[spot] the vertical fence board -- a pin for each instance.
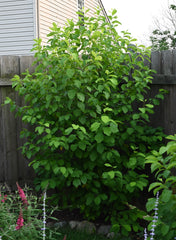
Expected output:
(13, 166)
(167, 62)
(156, 61)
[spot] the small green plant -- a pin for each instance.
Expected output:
(163, 164)
(21, 216)
(88, 139)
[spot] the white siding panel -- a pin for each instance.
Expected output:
(17, 26)
(55, 11)
(92, 6)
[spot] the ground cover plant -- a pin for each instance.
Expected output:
(19, 215)
(163, 163)
(90, 129)
(24, 215)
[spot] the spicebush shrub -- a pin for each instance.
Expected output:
(89, 140)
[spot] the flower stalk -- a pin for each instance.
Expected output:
(155, 217)
(44, 216)
(20, 220)
(22, 195)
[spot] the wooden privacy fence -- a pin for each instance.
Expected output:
(14, 167)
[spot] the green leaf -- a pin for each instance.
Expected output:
(40, 130)
(56, 170)
(71, 94)
(99, 137)
(124, 109)
(52, 183)
(155, 166)
(136, 116)
(75, 127)
(132, 184)
(77, 83)
(150, 204)
(63, 170)
(114, 128)
(83, 179)
(89, 199)
(105, 119)
(68, 130)
(171, 165)
(132, 162)
(113, 81)
(172, 148)
(111, 174)
(108, 165)
(97, 200)
(162, 150)
(74, 147)
(81, 97)
(82, 145)
(93, 156)
(81, 106)
(100, 148)
(70, 72)
(130, 131)
(114, 11)
(118, 174)
(44, 183)
(127, 227)
(107, 109)
(107, 131)
(76, 182)
(94, 127)
(165, 229)
(166, 195)
(29, 154)
(154, 185)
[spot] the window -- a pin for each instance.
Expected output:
(81, 9)
(80, 5)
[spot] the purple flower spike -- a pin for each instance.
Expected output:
(155, 217)
(145, 234)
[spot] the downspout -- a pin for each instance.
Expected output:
(104, 11)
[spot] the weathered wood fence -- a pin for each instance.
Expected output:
(14, 167)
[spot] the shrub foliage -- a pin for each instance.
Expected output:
(90, 118)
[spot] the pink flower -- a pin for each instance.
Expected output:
(65, 237)
(5, 198)
(20, 220)
(22, 195)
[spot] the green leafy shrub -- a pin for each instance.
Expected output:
(163, 163)
(89, 140)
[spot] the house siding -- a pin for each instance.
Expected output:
(59, 11)
(55, 11)
(17, 27)
(21, 21)
(92, 6)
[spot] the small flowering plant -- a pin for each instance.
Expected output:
(19, 217)
(154, 220)
(163, 166)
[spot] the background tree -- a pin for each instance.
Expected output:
(163, 37)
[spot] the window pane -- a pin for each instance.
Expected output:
(80, 4)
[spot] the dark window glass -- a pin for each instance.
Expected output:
(81, 9)
(80, 4)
